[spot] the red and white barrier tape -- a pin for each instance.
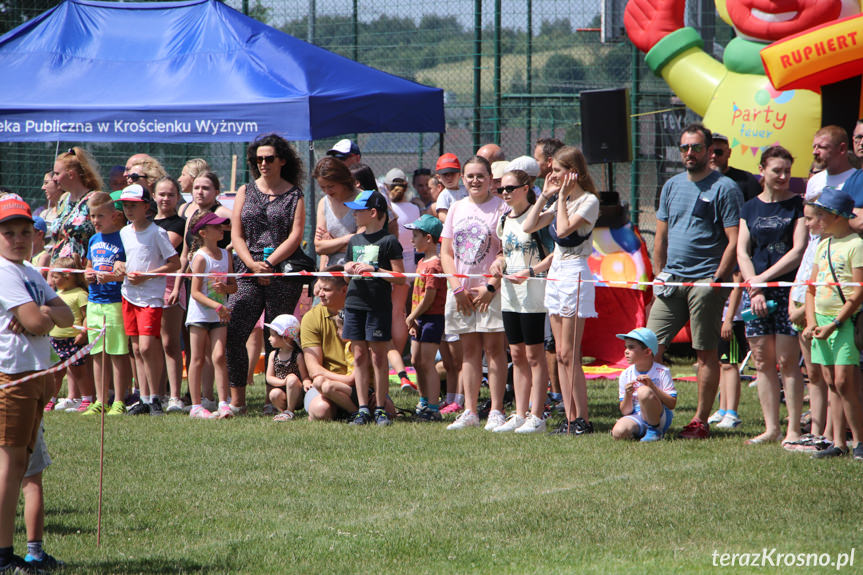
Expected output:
(84, 351)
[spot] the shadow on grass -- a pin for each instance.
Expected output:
(65, 529)
(146, 566)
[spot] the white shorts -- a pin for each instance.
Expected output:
(490, 321)
(562, 295)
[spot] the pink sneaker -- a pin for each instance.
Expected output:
(453, 407)
(201, 412)
(50, 405)
(225, 412)
(85, 403)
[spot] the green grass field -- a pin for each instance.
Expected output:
(253, 496)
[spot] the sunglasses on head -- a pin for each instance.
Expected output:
(265, 159)
(697, 148)
(135, 177)
(509, 189)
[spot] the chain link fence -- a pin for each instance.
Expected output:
(511, 71)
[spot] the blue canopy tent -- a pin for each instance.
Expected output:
(194, 71)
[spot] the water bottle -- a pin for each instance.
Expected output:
(749, 315)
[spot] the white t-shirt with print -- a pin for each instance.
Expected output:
(20, 352)
(146, 250)
(658, 373)
(520, 251)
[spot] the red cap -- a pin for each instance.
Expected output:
(447, 163)
(12, 207)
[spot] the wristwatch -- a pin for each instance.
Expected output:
(836, 322)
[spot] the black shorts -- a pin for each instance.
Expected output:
(735, 349)
(526, 328)
(429, 329)
(362, 325)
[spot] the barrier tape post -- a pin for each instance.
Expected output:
(103, 387)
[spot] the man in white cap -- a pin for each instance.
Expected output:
(347, 151)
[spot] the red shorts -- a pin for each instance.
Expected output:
(142, 320)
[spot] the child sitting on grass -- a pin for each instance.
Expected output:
(829, 313)
(207, 315)
(29, 309)
(425, 322)
(646, 391)
(287, 376)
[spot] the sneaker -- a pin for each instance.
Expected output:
(360, 417)
(117, 408)
(85, 405)
(581, 426)
(18, 565)
(652, 434)
(156, 407)
(453, 407)
(235, 410)
(270, 409)
(715, 418)
(729, 421)
(512, 423)
(807, 443)
(139, 408)
(175, 405)
(50, 405)
(47, 563)
(466, 419)
(532, 424)
(64, 404)
(210, 404)
(562, 429)
(426, 414)
(95, 408)
(831, 451)
(694, 430)
(228, 411)
(495, 419)
(408, 385)
(381, 418)
(858, 451)
(73, 407)
(201, 412)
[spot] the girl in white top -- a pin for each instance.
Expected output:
(524, 256)
(569, 295)
(207, 315)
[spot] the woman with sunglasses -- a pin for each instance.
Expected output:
(76, 173)
(569, 299)
(524, 256)
(269, 214)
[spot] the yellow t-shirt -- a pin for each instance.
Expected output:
(846, 254)
(318, 329)
(76, 299)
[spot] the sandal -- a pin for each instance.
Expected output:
(759, 439)
(286, 415)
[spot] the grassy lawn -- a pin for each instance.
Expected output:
(253, 496)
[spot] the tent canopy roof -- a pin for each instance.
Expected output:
(190, 71)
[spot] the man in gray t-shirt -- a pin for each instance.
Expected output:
(696, 241)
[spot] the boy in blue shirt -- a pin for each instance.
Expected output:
(646, 391)
(104, 300)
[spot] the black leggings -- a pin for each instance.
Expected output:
(281, 296)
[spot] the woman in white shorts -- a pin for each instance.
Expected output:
(469, 245)
(569, 294)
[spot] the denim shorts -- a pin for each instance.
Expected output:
(362, 325)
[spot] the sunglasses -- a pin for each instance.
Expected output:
(509, 189)
(266, 159)
(697, 148)
(135, 177)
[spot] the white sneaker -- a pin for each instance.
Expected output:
(715, 418)
(728, 422)
(466, 419)
(76, 403)
(532, 424)
(495, 419)
(513, 422)
(65, 404)
(209, 404)
(201, 412)
(175, 405)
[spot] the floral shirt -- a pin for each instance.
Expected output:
(72, 229)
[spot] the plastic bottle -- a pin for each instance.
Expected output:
(749, 315)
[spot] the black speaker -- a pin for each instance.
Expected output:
(605, 135)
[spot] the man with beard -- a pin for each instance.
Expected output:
(830, 156)
(696, 241)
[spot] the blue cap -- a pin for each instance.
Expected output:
(645, 336)
(40, 224)
(835, 201)
(368, 199)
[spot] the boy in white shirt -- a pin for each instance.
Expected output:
(149, 252)
(646, 391)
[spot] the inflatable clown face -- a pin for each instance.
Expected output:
(767, 21)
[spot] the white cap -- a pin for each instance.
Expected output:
(525, 164)
(393, 175)
(286, 326)
(498, 169)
